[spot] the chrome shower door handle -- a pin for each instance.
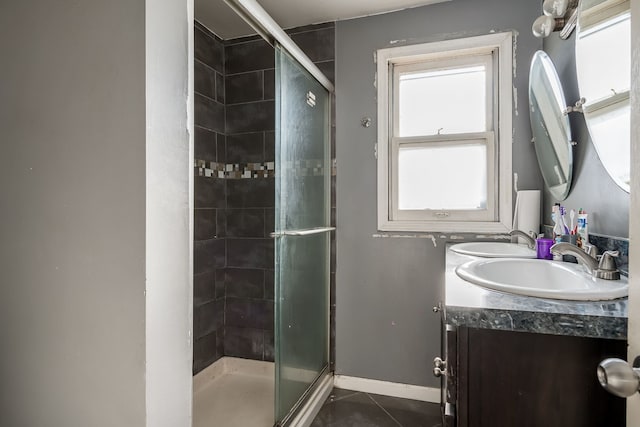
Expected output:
(618, 377)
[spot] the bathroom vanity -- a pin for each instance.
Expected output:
(514, 360)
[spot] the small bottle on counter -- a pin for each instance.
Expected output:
(583, 226)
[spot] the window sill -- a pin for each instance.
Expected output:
(445, 226)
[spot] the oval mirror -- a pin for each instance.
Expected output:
(550, 126)
(603, 66)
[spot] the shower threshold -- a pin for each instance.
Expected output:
(234, 392)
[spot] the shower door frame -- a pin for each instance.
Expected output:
(289, 228)
(263, 24)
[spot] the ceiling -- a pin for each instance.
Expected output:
(219, 18)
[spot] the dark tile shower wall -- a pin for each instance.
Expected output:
(250, 125)
(210, 201)
(235, 191)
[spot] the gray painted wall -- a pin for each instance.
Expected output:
(592, 188)
(387, 286)
(73, 216)
(78, 338)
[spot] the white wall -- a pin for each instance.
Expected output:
(169, 211)
(76, 177)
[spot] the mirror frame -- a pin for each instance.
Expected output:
(547, 147)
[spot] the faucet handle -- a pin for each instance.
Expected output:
(591, 250)
(607, 262)
(607, 267)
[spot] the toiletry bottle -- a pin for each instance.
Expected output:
(583, 226)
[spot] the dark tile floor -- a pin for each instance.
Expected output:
(345, 408)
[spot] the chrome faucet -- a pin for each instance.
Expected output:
(606, 269)
(529, 240)
(564, 248)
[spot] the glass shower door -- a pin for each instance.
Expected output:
(302, 233)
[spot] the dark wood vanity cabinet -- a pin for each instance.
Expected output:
(501, 378)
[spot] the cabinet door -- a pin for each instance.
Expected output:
(524, 379)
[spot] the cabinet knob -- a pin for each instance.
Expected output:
(440, 367)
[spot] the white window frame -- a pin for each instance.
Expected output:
(498, 139)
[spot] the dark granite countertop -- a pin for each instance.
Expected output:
(473, 306)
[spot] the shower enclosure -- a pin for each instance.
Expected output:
(296, 170)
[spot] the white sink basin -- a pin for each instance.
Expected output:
(541, 278)
(494, 250)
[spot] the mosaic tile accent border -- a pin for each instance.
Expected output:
(234, 170)
(258, 170)
(305, 168)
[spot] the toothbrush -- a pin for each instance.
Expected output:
(572, 216)
(563, 222)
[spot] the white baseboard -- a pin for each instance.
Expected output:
(313, 405)
(386, 388)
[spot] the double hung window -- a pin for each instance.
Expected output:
(444, 148)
